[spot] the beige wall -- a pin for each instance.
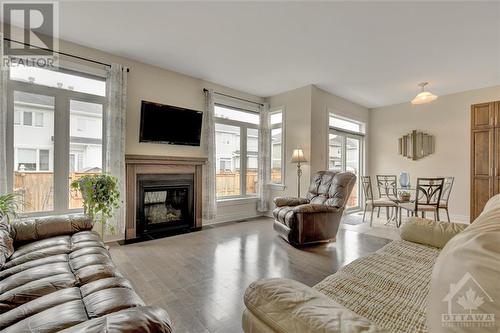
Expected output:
(306, 126)
(448, 119)
(322, 104)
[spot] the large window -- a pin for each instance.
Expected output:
(277, 146)
(55, 135)
(236, 140)
(345, 151)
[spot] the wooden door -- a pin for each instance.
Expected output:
(482, 169)
(483, 115)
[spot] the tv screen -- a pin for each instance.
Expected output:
(170, 124)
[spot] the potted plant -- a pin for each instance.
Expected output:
(8, 206)
(100, 197)
(404, 196)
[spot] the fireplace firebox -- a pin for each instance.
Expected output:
(164, 204)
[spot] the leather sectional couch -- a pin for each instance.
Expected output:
(57, 276)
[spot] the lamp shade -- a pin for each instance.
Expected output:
(298, 156)
(424, 96)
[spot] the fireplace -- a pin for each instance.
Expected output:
(164, 204)
(163, 196)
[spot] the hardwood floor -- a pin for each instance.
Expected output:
(200, 278)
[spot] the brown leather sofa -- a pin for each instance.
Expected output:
(57, 275)
(317, 217)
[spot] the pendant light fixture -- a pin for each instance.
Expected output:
(424, 96)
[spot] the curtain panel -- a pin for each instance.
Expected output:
(264, 159)
(116, 109)
(4, 73)
(208, 144)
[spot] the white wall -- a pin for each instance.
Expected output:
(448, 119)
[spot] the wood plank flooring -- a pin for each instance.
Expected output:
(200, 278)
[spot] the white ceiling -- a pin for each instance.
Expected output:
(372, 53)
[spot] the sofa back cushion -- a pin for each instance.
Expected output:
(465, 278)
(331, 188)
(6, 243)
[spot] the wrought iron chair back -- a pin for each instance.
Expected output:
(387, 185)
(366, 182)
(429, 191)
(448, 185)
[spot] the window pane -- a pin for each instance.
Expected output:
(252, 160)
(44, 159)
(335, 152)
(227, 152)
(39, 119)
(85, 150)
(34, 183)
(276, 118)
(353, 165)
(345, 124)
(276, 154)
(60, 80)
(227, 113)
(28, 119)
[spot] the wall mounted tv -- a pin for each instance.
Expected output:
(170, 124)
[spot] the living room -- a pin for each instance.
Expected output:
(268, 167)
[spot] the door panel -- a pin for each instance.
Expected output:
(482, 152)
(482, 115)
(482, 192)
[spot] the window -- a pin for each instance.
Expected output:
(236, 145)
(277, 147)
(47, 102)
(345, 152)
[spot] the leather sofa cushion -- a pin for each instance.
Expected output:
(285, 215)
(6, 242)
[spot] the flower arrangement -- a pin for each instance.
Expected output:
(404, 196)
(100, 197)
(8, 206)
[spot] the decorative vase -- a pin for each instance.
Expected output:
(404, 179)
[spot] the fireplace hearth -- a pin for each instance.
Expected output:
(164, 204)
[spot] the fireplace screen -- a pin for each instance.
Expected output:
(165, 206)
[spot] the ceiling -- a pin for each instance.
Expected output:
(372, 53)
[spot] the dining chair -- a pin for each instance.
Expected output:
(445, 197)
(373, 203)
(387, 186)
(427, 198)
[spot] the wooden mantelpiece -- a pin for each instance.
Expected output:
(149, 164)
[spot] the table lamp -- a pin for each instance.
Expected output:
(298, 157)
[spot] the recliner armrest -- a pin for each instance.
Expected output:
(289, 201)
(288, 306)
(44, 227)
(315, 208)
(428, 232)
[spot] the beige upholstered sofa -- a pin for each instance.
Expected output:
(440, 277)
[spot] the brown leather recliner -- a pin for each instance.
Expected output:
(56, 275)
(317, 217)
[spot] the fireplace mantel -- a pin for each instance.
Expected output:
(150, 165)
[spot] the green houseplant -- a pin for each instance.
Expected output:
(100, 197)
(8, 206)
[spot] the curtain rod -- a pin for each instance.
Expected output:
(62, 53)
(234, 97)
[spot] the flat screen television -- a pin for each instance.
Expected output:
(170, 124)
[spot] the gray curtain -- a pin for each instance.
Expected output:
(116, 110)
(209, 195)
(264, 159)
(3, 128)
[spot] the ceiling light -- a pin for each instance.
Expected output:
(424, 96)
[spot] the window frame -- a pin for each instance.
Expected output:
(243, 126)
(61, 147)
(282, 125)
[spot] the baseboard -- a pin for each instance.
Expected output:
(230, 218)
(457, 218)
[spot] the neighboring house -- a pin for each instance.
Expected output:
(228, 150)
(34, 134)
